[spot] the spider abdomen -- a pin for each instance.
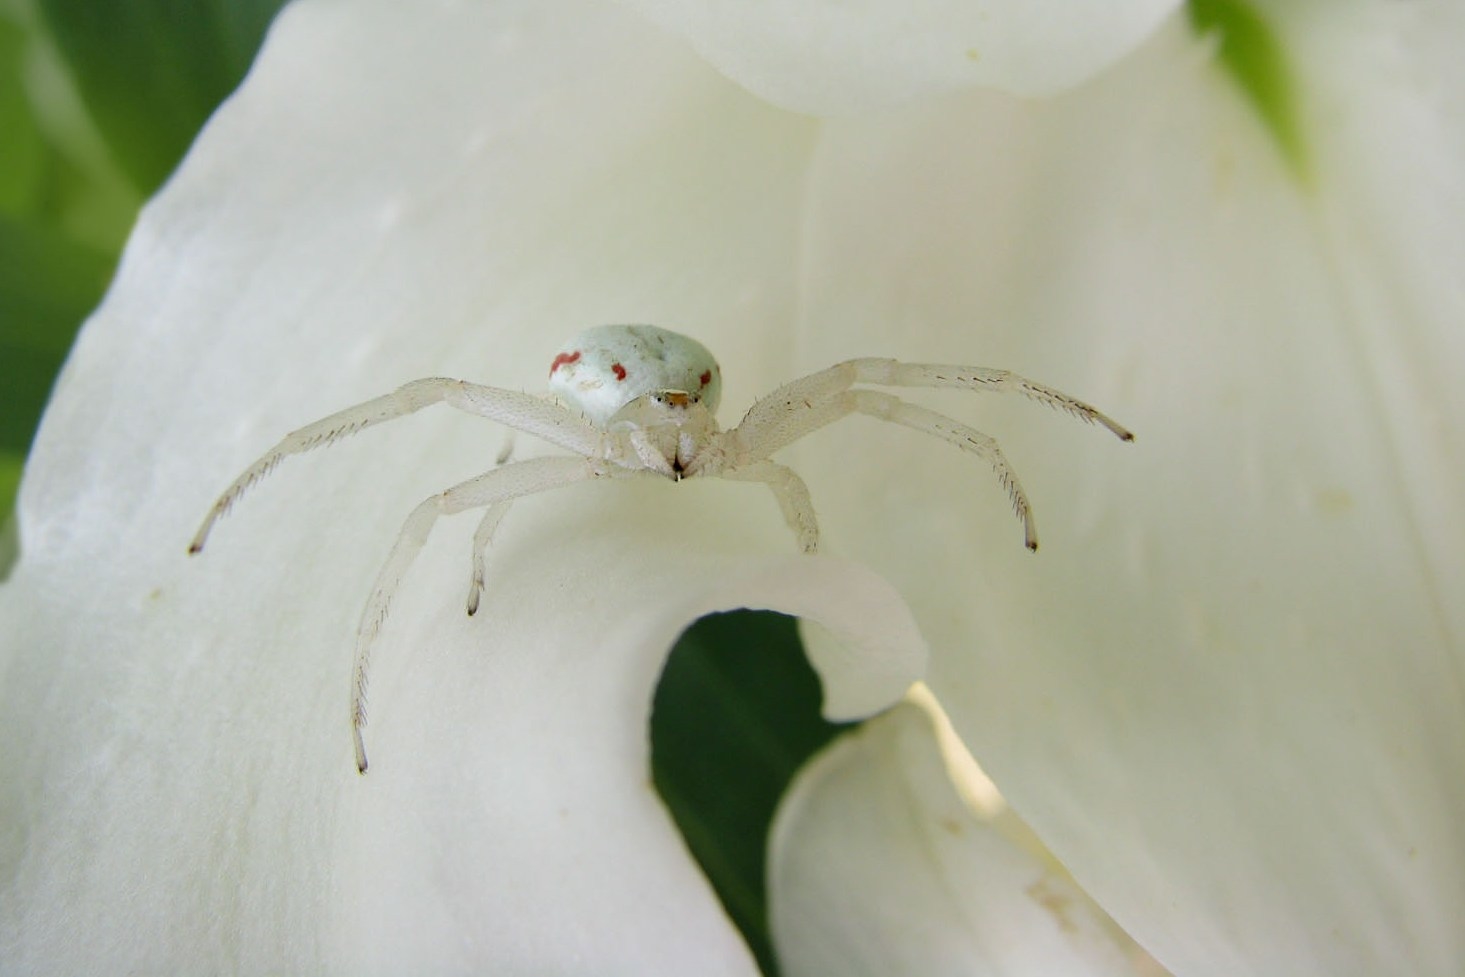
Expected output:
(605, 368)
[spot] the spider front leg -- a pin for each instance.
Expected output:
(520, 411)
(493, 489)
(887, 407)
(893, 373)
(481, 538)
(484, 534)
(805, 405)
(792, 495)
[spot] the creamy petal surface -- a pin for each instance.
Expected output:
(1227, 692)
(397, 193)
(876, 867)
(839, 57)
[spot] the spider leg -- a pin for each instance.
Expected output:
(550, 421)
(807, 404)
(794, 410)
(481, 538)
(803, 406)
(887, 407)
(493, 489)
(484, 534)
(893, 373)
(799, 410)
(647, 453)
(792, 495)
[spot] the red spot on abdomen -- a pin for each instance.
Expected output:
(706, 377)
(562, 359)
(618, 370)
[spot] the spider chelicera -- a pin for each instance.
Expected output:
(640, 400)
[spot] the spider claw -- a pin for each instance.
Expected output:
(1029, 533)
(202, 536)
(360, 750)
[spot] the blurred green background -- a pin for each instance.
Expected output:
(99, 100)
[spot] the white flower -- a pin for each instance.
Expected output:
(1227, 695)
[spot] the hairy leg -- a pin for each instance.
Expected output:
(792, 495)
(492, 489)
(890, 408)
(803, 406)
(520, 411)
(796, 409)
(481, 538)
(807, 416)
(893, 373)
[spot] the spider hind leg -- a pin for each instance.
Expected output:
(493, 489)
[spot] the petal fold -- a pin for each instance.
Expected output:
(876, 867)
(1227, 692)
(837, 58)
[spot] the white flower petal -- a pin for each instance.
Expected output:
(396, 193)
(876, 867)
(1227, 692)
(837, 57)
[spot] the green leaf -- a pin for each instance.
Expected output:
(53, 169)
(10, 466)
(11, 463)
(735, 716)
(151, 71)
(23, 155)
(48, 283)
(1254, 57)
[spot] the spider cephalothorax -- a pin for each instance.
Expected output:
(642, 401)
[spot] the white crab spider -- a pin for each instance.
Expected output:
(641, 401)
